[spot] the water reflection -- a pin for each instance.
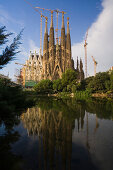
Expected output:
(58, 134)
(53, 122)
(55, 135)
(8, 136)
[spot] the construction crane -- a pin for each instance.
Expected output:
(25, 65)
(21, 64)
(95, 65)
(56, 30)
(85, 46)
(57, 12)
(41, 16)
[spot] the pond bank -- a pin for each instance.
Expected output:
(96, 95)
(78, 94)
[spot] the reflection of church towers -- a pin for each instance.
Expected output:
(55, 132)
(56, 57)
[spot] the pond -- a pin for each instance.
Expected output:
(62, 134)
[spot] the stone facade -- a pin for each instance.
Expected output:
(32, 69)
(56, 57)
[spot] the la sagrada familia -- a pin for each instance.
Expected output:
(56, 57)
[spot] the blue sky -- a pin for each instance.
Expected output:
(17, 14)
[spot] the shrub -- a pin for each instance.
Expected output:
(57, 85)
(98, 82)
(73, 89)
(44, 86)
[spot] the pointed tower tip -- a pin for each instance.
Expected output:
(51, 19)
(63, 19)
(68, 31)
(46, 30)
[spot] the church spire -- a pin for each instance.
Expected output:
(68, 31)
(63, 19)
(46, 30)
(45, 45)
(63, 32)
(51, 35)
(68, 40)
(51, 19)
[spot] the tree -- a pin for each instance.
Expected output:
(57, 85)
(81, 70)
(69, 77)
(10, 51)
(77, 65)
(99, 82)
(111, 80)
(44, 86)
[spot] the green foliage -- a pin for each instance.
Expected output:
(86, 82)
(44, 86)
(73, 89)
(102, 82)
(82, 94)
(111, 80)
(10, 51)
(108, 84)
(11, 97)
(69, 77)
(69, 88)
(57, 85)
(99, 82)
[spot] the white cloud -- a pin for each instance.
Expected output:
(23, 52)
(100, 40)
(33, 46)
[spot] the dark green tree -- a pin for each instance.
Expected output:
(57, 85)
(111, 80)
(69, 78)
(81, 71)
(10, 51)
(44, 86)
(99, 82)
(77, 65)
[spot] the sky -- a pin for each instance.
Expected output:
(97, 15)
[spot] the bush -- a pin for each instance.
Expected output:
(44, 86)
(99, 82)
(57, 85)
(73, 89)
(11, 97)
(82, 94)
(69, 77)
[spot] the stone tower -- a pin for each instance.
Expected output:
(68, 47)
(45, 58)
(63, 45)
(56, 57)
(51, 47)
